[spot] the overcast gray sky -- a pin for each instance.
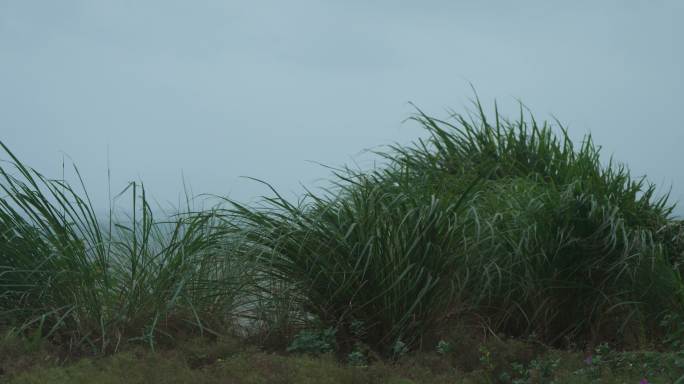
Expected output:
(214, 90)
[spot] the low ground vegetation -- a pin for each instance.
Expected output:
(230, 360)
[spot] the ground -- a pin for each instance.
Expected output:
(231, 360)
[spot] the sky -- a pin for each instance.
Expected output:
(205, 92)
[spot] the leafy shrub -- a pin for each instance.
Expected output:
(314, 342)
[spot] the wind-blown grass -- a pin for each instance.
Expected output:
(65, 275)
(560, 264)
(506, 222)
(568, 244)
(474, 145)
(369, 255)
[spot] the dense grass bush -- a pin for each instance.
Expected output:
(559, 263)
(568, 244)
(370, 255)
(470, 146)
(66, 275)
(506, 222)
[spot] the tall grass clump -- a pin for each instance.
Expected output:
(506, 223)
(67, 275)
(569, 244)
(503, 221)
(559, 263)
(467, 146)
(365, 254)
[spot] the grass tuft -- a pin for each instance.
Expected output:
(68, 277)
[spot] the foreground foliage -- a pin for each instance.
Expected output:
(498, 225)
(229, 360)
(505, 222)
(66, 276)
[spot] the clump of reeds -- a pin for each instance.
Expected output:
(506, 222)
(66, 275)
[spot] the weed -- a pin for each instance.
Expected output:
(444, 347)
(314, 342)
(356, 358)
(399, 349)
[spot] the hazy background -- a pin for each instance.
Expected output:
(214, 90)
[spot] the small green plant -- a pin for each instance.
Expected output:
(487, 363)
(545, 368)
(520, 372)
(538, 371)
(399, 349)
(314, 342)
(357, 329)
(486, 358)
(444, 347)
(356, 358)
(603, 358)
(505, 377)
(673, 325)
